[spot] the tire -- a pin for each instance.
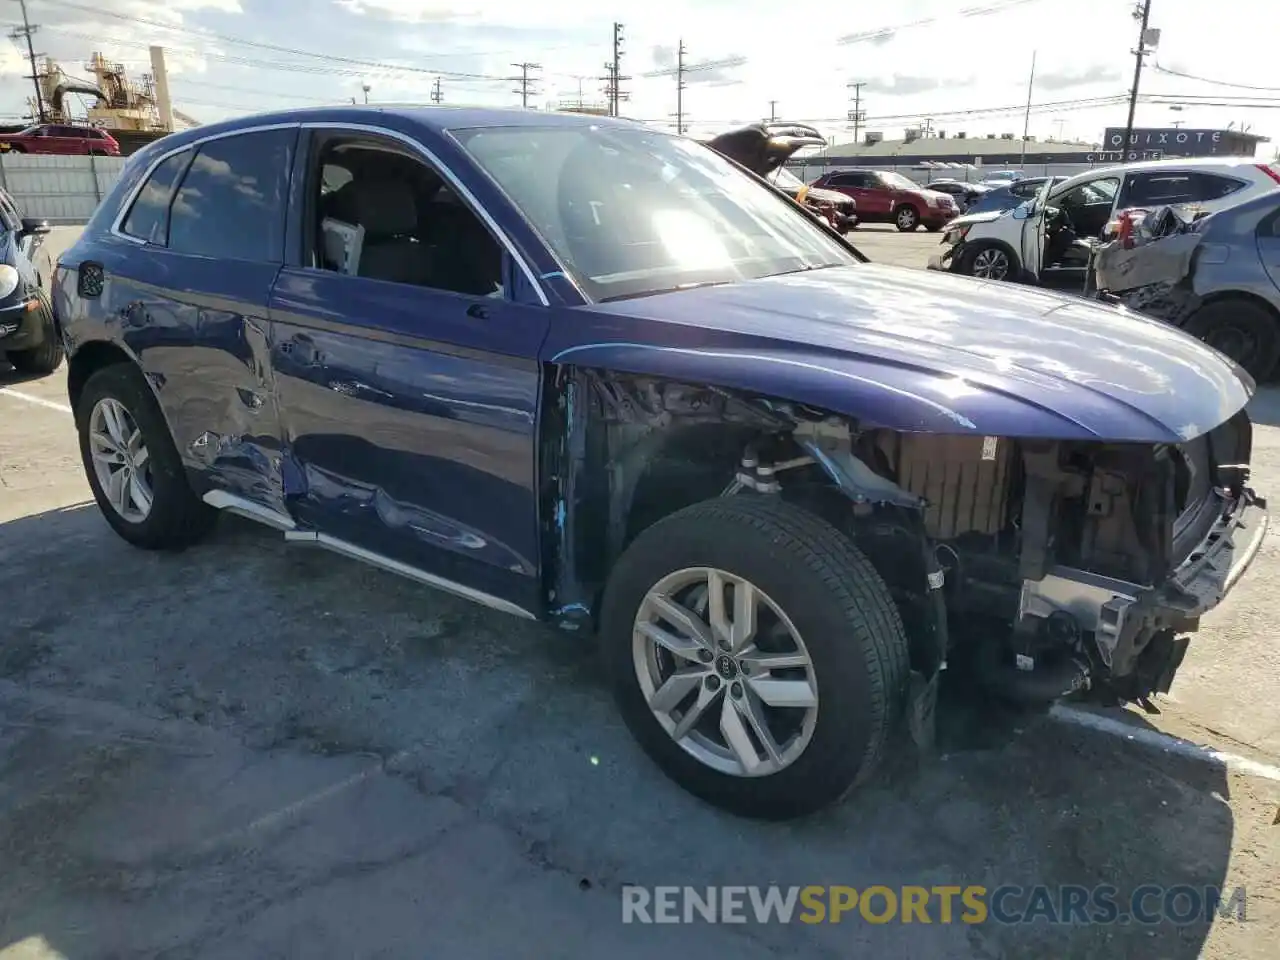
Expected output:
(1245, 332)
(177, 518)
(42, 360)
(974, 258)
(851, 630)
(905, 218)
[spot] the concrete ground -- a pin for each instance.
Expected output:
(246, 751)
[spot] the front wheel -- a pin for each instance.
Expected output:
(1245, 332)
(42, 360)
(755, 654)
(132, 465)
(988, 261)
(906, 219)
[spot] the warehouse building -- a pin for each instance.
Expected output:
(963, 156)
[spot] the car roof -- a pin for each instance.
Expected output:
(1172, 164)
(436, 118)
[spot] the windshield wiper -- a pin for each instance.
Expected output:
(653, 293)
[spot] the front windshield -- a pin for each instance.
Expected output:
(784, 179)
(897, 181)
(632, 212)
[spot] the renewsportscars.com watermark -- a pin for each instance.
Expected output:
(1072, 905)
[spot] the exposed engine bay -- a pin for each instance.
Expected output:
(1063, 566)
(1048, 568)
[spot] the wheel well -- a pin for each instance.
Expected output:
(690, 464)
(1243, 296)
(87, 361)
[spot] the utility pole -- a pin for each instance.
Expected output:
(1026, 117)
(525, 81)
(25, 31)
(773, 111)
(1143, 12)
(680, 52)
(436, 95)
(856, 115)
(613, 75)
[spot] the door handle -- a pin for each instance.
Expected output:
(478, 311)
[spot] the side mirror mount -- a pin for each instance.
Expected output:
(35, 228)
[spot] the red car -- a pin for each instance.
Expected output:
(886, 197)
(60, 139)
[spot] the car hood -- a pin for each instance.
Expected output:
(914, 349)
(968, 219)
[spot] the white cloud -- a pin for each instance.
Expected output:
(907, 66)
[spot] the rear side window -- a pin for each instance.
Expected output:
(1161, 188)
(232, 200)
(149, 217)
(846, 180)
(1210, 186)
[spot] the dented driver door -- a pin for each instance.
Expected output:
(409, 409)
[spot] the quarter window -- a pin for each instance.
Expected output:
(232, 200)
(149, 217)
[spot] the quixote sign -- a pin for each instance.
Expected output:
(1165, 142)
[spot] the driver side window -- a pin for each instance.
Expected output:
(380, 212)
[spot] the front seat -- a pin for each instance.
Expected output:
(388, 212)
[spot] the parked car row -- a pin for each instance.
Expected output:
(584, 371)
(1051, 239)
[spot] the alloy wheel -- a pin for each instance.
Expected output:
(906, 218)
(991, 264)
(121, 460)
(725, 672)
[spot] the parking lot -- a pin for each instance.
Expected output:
(248, 750)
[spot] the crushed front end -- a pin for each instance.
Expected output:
(1074, 566)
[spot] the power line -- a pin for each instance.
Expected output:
(1220, 83)
(275, 48)
(234, 89)
(886, 33)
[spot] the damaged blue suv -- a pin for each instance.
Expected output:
(583, 371)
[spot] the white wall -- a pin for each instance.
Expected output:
(58, 189)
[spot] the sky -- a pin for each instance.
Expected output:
(964, 63)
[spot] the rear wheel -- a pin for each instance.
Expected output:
(905, 218)
(755, 654)
(1244, 331)
(133, 466)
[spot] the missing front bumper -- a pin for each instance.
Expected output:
(1124, 618)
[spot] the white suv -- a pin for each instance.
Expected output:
(1011, 244)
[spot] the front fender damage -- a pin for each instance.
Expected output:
(620, 451)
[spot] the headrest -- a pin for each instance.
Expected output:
(383, 207)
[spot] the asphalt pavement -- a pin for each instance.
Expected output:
(251, 750)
